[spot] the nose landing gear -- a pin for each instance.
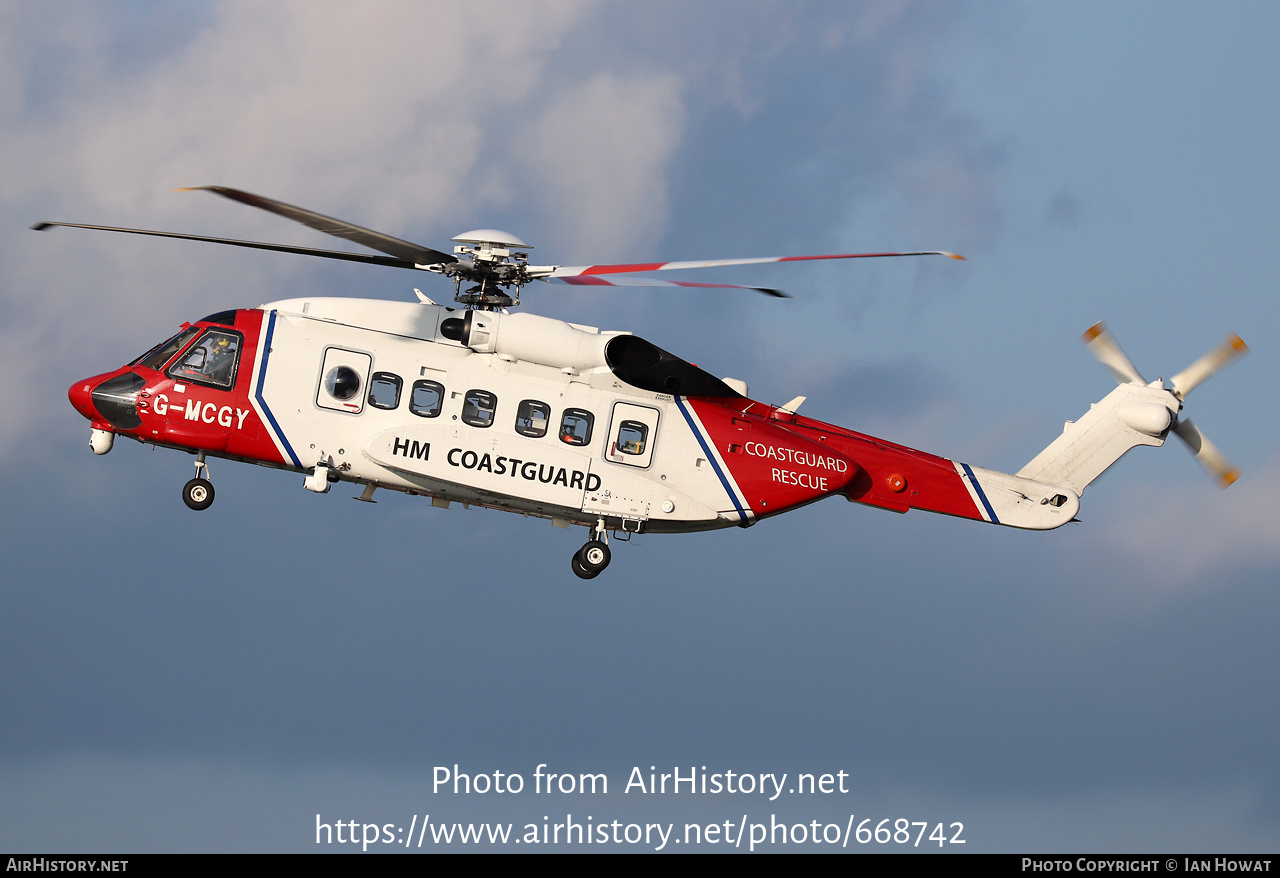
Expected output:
(590, 561)
(198, 493)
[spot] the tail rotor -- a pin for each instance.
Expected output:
(1108, 352)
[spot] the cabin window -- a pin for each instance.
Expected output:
(384, 390)
(575, 427)
(478, 408)
(632, 431)
(532, 418)
(633, 436)
(210, 361)
(426, 399)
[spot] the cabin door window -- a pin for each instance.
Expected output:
(632, 432)
(344, 376)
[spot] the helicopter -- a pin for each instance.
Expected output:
(484, 406)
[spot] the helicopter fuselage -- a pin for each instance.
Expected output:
(514, 412)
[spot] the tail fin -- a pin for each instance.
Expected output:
(1129, 416)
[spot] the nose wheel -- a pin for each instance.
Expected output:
(590, 561)
(198, 493)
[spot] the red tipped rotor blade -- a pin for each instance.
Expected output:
(1209, 365)
(1213, 460)
(1107, 352)
(594, 281)
(580, 270)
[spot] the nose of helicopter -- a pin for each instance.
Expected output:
(81, 396)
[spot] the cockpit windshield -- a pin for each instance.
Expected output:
(163, 352)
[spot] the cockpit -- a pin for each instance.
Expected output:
(211, 360)
(204, 355)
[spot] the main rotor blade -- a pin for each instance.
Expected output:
(580, 270)
(1107, 352)
(1213, 461)
(593, 281)
(366, 258)
(406, 250)
(1209, 365)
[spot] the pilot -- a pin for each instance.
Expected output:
(222, 360)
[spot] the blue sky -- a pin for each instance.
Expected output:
(1107, 686)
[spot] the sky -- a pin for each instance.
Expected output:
(223, 681)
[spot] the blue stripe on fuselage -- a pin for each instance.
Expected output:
(981, 495)
(711, 457)
(262, 377)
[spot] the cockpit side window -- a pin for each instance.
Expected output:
(210, 361)
(163, 352)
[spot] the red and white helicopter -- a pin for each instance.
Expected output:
(528, 414)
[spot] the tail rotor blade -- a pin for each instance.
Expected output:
(1213, 461)
(1209, 365)
(1107, 352)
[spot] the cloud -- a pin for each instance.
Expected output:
(328, 99)
(599, 156)
(1177, 537)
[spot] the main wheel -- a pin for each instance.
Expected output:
(594, 555)
(198, 494)
(582, 572)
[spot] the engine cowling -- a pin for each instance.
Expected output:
(531, 338)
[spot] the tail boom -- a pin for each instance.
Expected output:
(773, 460)
(900, 478)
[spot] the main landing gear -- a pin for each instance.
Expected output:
(590, 561)
(198, 493)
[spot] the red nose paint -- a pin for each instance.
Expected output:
(81, 398)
